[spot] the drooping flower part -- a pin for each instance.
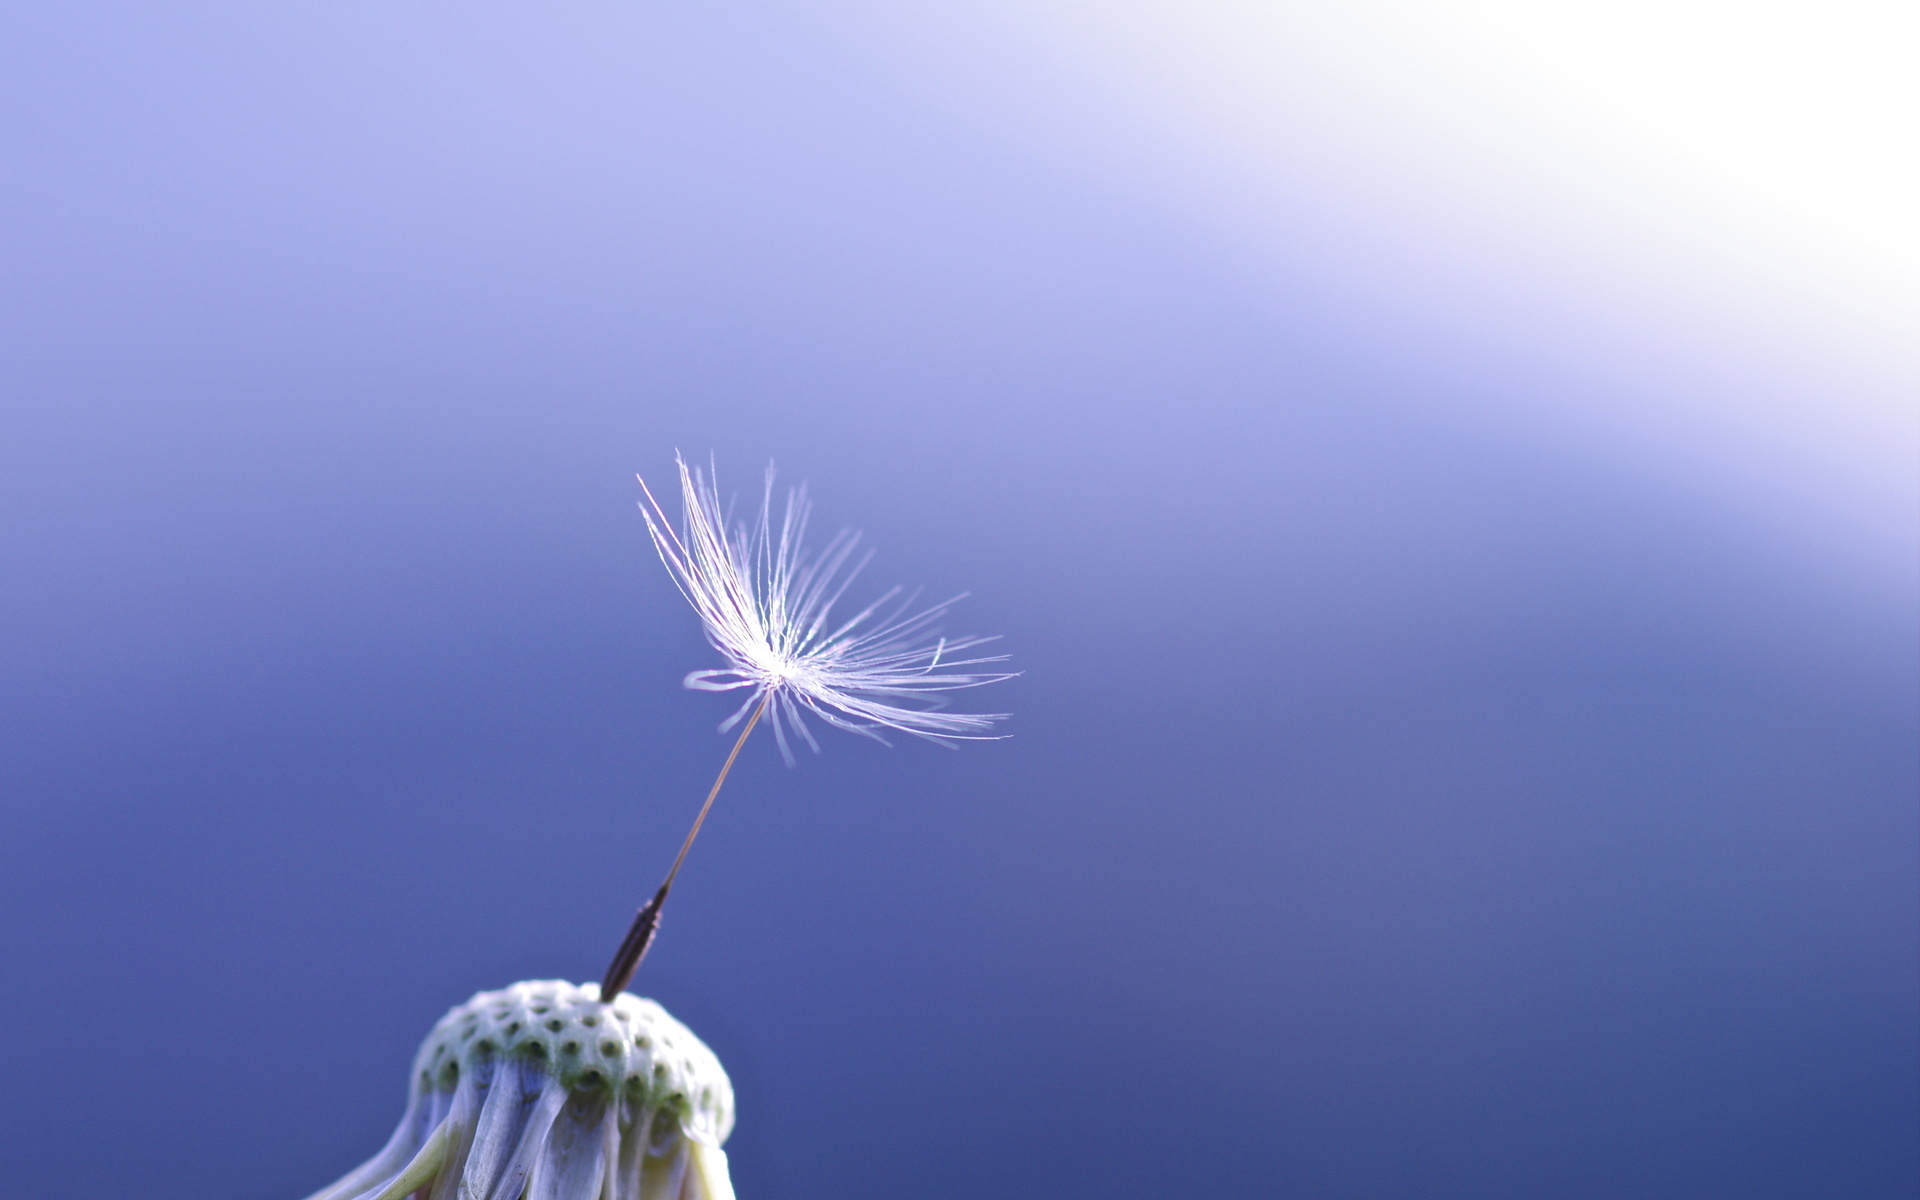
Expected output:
(541, 1092)
(766, 606)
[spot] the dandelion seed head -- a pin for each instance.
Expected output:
(767, 605)
(542, 1090)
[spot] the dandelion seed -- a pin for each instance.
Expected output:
(767, 606)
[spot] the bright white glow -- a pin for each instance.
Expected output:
(1806, 108)
(1726, 188)
(1732, 126)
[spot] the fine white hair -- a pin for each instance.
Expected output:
(765, 604)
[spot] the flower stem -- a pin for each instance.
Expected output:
(646, 922)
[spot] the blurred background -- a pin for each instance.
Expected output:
(1447, 472)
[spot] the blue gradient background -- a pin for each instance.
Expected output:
(1468, 740)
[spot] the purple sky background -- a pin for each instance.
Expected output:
(1467, 743)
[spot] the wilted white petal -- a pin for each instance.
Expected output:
(497, 1135)
(463, 1115)
(532, 1143)
(709, 1172)
(421, 1170)
(574, 1159)
(662, 1176)
(633, 1151)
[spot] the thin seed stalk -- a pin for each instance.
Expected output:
(646, 922)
